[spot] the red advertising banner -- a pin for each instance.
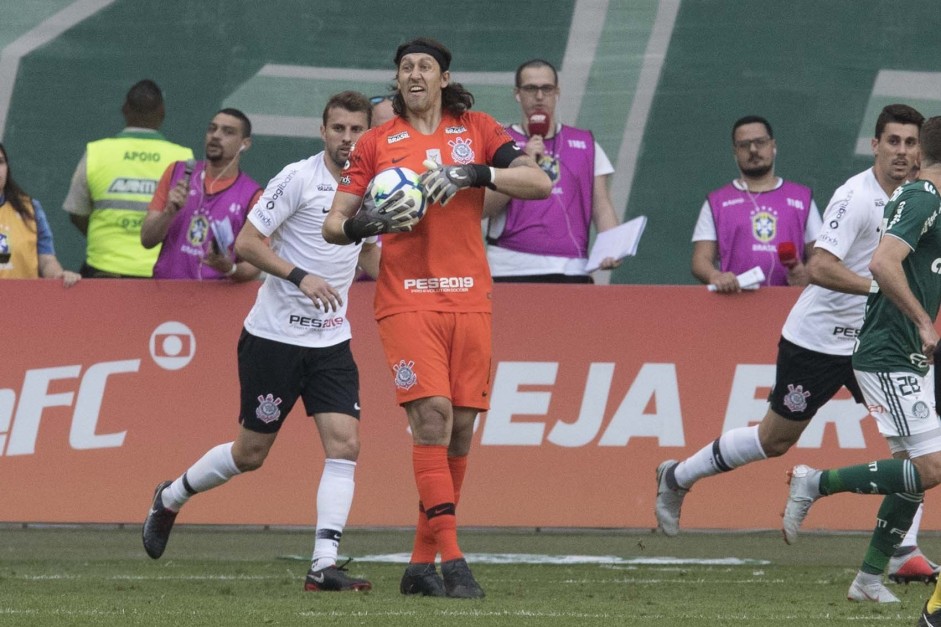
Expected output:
(113, 385)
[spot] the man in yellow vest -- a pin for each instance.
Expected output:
(115, 181)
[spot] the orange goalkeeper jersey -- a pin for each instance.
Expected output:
(441, 265)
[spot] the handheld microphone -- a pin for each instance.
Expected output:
(787, 253)
(188, 167)
(188, 170)
(538, 124)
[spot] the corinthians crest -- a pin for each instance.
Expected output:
(405, 377)
(796, 398)
(267, 410)
(461, 151)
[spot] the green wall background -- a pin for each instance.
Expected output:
(810, 67)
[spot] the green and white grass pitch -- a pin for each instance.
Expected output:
(222, 576)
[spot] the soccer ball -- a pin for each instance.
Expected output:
(392, 180)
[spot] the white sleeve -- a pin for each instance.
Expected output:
(602, 163)
(841, 221)
(812, 228)
(281, 198)
(705, 229)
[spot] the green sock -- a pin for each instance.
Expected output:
(892, 523)
(886, 476)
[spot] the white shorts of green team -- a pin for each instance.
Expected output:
(903, 405)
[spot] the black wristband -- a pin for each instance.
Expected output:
(296, 275)
(482, 176)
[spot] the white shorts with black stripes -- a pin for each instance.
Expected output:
(903, 405)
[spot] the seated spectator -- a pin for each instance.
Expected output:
(26, 249)
(200, 206)
(546, 241)
(745, 223)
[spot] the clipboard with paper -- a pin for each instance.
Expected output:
(222, 234)
(617, 243)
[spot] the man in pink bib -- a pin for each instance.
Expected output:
(546, 240)
(757, 220)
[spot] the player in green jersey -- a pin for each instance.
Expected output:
(892, 365)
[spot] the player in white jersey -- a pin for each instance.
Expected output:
(296, 344)
(814, 352)
(823, 319)
(294, 201)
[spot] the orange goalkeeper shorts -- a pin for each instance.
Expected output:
(439, 353)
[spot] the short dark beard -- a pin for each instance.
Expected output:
(333, 160)
(757, 171)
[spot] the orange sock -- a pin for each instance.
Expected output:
(425, 549)
(458, 467)
(436, 491)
